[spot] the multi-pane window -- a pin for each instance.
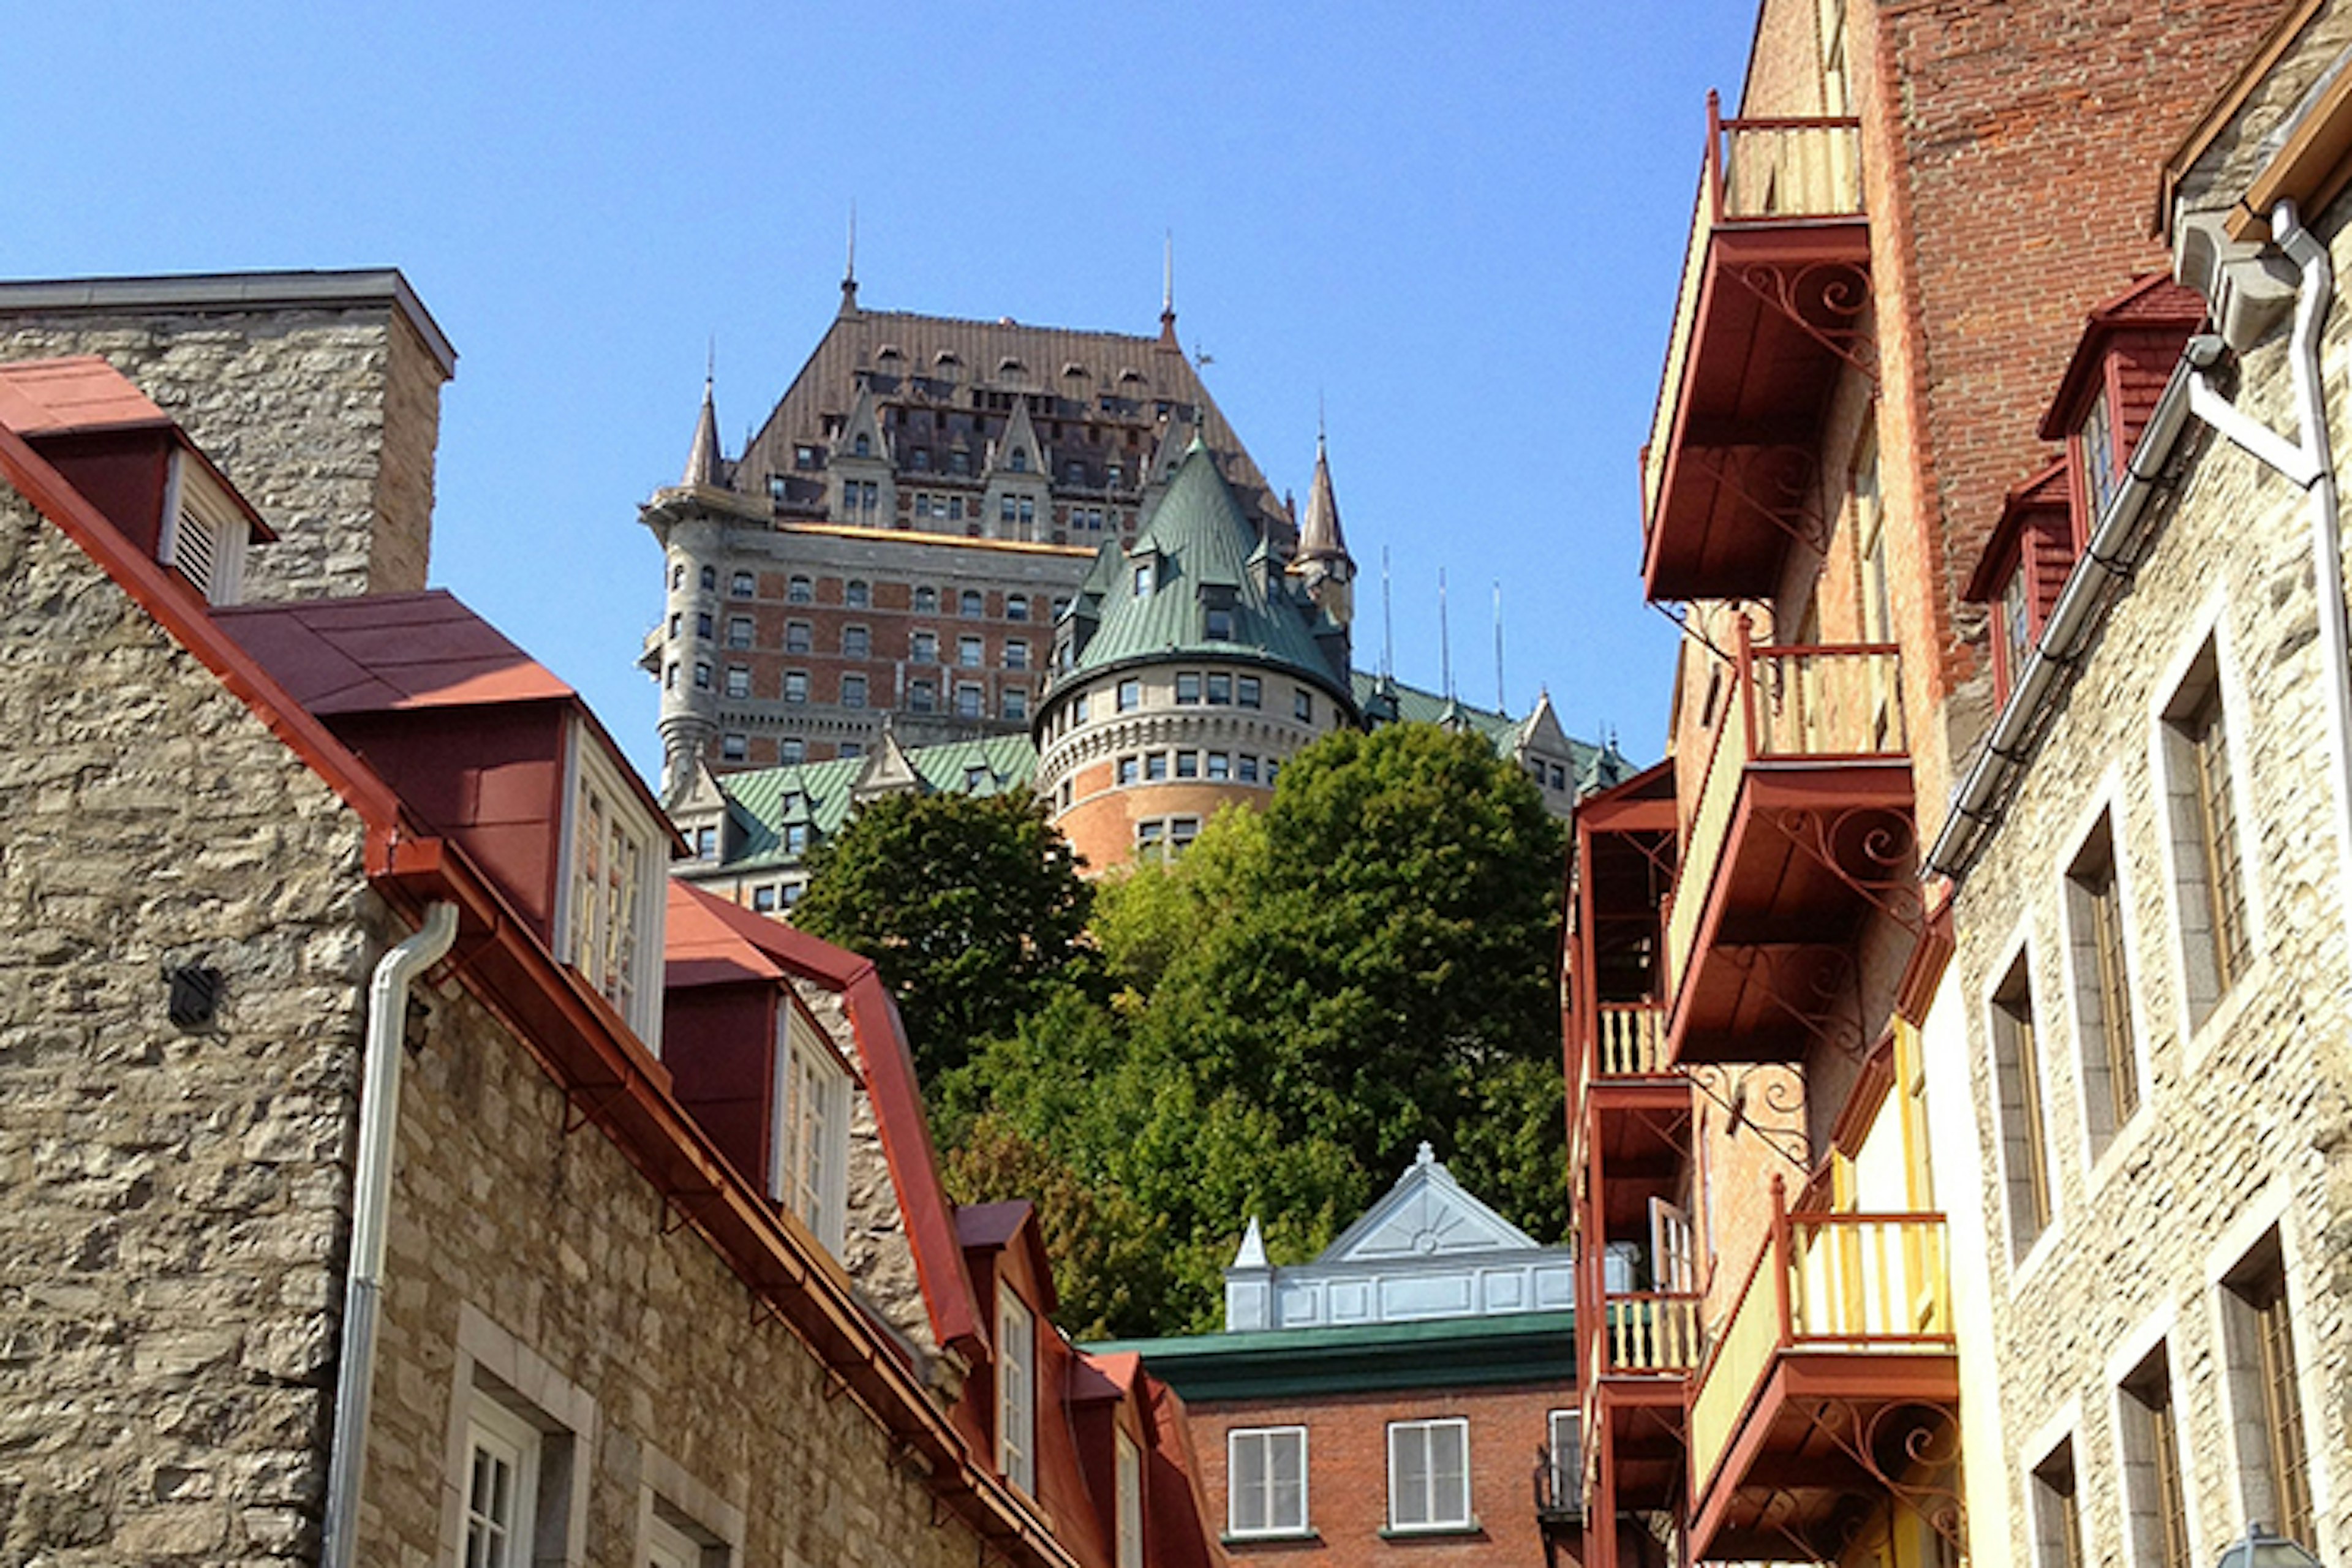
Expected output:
(1129, 1469)
(1220, 690)
(1302, 706)
(702, 625)
(853, 691)
(1266, 1481)
(1126, 770)
(500, 1483)
(2156, 1500)
(809, 1158)
(796, 686)
(1155, 767)
(1017, 655)
(2265, 1397)
(856, 642)
(926, 601)
(969, 604)
(1564, 1459)
(2103, 1007)
(735, 746)
(800, 591)
(922, 696)
(2100, 469)
(1221, 765)
(857, 595)
(1131, 695)
(1246, 767)
(1246, 691)
(709, 579)
(1187, 689)
(1188, 765)
(738, 631)
(1220, 625)
(923, 647)
(1016, 607)
(792, 749)
(610, 858)
(2057, 1514)
(701, 675)
(970, 701)
(799, 637)
(2215, 944)
(1429, 1474)
(1015, 703)
(1016, 1391)
(2016, 1073)
(969, 652)
(739, 680)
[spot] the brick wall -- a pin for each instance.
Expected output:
(168, 1243)
(1346, 1473)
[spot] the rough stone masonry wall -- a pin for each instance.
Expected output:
(557, 1240)
(325, 419)
(171, 1202)
(2254, 1105)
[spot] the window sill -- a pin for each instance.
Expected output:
(1429, 1532)
(1310, 1536)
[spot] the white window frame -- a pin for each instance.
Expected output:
(1016, 1391)
(1267, 1526)
(491, 1366)
(1129, 1484)
(808, 1155)
(588, 772)
(495, 1433)
(668, 1546)
(1466, 1519)
(1566, 1481)
(681, 1520)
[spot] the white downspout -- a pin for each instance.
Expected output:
(2310, 463)
(371, 1207)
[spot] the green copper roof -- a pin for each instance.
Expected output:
(1521, 1348)
(1593, 767)
(1199, 540)
(766, 800)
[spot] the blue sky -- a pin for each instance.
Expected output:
(1459, 227)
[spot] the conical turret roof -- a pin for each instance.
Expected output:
(704, 465)
(1319, 538)
(1194, 558)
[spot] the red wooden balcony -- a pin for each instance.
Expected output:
(1774, 303)
(1798, 826)
(1640, 1353)
(1833, 1388)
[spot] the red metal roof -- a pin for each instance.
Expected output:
(390, 651)
(2153, 303)
(49, 397)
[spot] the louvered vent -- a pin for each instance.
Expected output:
(195, 551)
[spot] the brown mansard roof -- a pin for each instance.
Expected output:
(1144, 370)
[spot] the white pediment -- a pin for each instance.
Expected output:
(1427, 1215)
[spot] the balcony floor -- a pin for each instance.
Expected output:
(1793, 1471)
(1774, 941)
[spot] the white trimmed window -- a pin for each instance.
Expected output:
(609, 927)
(1429, 1474)
(1565, 1455)
(1131, 1503)
(668, 1546)
(203, 537)
(501, 1485)
(809, 1159)
(1266, 1481)
(1016, 1391)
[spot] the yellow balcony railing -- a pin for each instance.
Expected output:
(1821, 1283)
(1631, 1039)
(1650, 1334)
(1798, 703)
(1756, 172)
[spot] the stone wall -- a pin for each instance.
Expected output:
(324, 416)
(2241, 1117)
(543, 1259)
(174, 1208)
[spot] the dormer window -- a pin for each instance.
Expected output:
(203, 537)
(2100, 470)
(1020, 464)
(1016, 1391)
(2016, 627)
(809, 1154)
(864, 445)
(1142, 579)
(610, 924)
(1220, 626)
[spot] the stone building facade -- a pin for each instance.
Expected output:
(361, 1205)
(2146, 1011)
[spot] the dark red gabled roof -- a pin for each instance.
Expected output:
(72, 396)
(2153, 304)
(2048, 490)
(713, 941)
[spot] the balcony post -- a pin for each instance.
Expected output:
(1714, 172)
(1744, 676)
(1782, 1259)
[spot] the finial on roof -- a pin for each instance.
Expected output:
(1168, 288)
(1426, 1155)
(850, 268)
(702, 461)
(1252, 1251)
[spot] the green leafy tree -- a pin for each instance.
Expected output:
(971, 908)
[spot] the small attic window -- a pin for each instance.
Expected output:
(614, 889)
(1130, 376)
(2101, 470)
(1142, 578)
(1009, 365)
(1020, 464)
(203, 536)
(1075, 368)
(945, 359)
(809, 1169)
(887, 353)
(1220, 626)
(864, 445)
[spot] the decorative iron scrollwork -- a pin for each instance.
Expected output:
(1829, 301)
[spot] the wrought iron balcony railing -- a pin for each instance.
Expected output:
(1788, 705)
(1755, 174)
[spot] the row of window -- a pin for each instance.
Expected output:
(2259, 1383)
(2212, 917)
(1152, 767)
(1267, 1493)
(857, 594)
(853, 691)
(1165, 835)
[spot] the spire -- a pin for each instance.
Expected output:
(849, 268)
(703, 462)
(1168, 289)
(1319, 538)
(1252, 1254)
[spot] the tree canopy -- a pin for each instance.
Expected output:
(1292, 1005)
(971, 907)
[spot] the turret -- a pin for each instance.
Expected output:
(1323, 566)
